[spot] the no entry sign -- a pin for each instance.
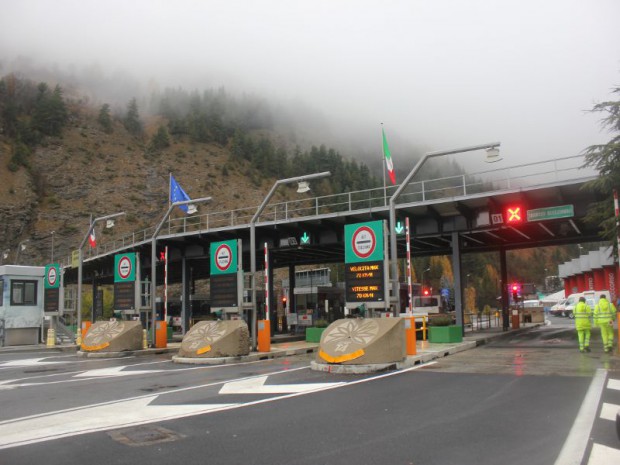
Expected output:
(364, 242)
(224, 257)
(52, 276)
(124, 267)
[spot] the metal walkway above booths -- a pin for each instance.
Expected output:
(310, 231)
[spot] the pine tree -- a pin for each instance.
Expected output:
(132, 118)
(160, 139)
(605, 159)
(104, 119)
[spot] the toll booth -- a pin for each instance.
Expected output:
(21, 304)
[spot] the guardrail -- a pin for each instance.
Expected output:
(537, 174)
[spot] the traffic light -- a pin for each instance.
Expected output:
(516, 290)
(514, 214)
(425, 292)
(284, 300)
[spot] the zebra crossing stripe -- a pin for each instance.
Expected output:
(603, 455)
(608, 412)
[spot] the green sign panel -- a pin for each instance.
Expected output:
(551, 213)
(52, 276)
(224, 257)
(124, 267)
(363, 242)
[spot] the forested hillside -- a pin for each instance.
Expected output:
(64, 158)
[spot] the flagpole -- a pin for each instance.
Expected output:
(169, 196)
(383, 164)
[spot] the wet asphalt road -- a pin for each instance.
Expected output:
(516, 397)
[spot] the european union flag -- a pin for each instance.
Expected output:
(177, 194)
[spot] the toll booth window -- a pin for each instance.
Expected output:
(425, 302)
(1, 292)
(23, 292)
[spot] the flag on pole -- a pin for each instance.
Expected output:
(177, 194)
(388, 159)
(92, 240)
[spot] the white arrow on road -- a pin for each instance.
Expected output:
(28, 362)
(64, 423)
(113, 371)
(257, 386)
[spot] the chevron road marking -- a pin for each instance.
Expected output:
(28, 362)
(56, 425)
(257, 386)
(114, 371)
(138, 410)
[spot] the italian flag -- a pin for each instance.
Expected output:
(388, 159)
(92, 240)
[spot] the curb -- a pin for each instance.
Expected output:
(410, 361)
(126, 353)
(41, 348)
(253, 357)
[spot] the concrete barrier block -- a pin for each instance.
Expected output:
(113, 336)
(362, 341)
(210, 339)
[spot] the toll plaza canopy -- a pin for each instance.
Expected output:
(533, 205)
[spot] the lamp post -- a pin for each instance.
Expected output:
(424, 272)
(303, 187)
(80, 260)
(20, 247)
(52, 233)
(5, 255)
(492, 156)
(154, 258)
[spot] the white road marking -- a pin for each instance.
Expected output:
(575, 445)
(257, 386)
(603, 455)
(114, 371)
(27, 362)
(608, 412)
(613, 384)
(134, 411)
(90, 419)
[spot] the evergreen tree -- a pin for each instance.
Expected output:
(160, 139)
(50, 113)
(104, 119)
(132, 118)
(605, 159)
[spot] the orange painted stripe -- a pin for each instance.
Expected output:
(343, 358)
(203, 350)
(93, 348)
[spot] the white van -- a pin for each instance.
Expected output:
(592, 298)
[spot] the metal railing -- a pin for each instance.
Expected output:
(530, 175)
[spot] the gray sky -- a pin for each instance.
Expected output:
(438, 73)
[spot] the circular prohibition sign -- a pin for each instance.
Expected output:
(52, 276)
(364, 242)
(124, 267)
(223, 257)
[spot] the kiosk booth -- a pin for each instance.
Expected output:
(21, 304)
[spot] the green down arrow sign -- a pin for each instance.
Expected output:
(399, 228)
(305, 239)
